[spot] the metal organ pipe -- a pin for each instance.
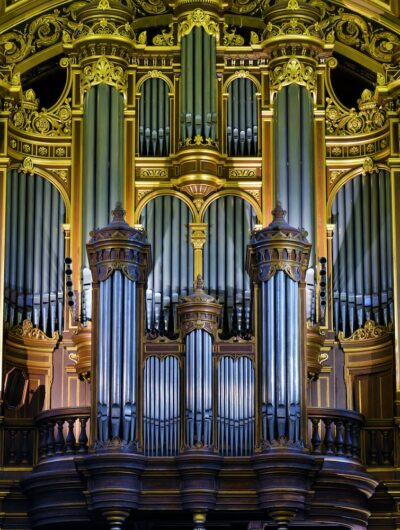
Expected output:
(34, 252)
(120, 259)
(242, 118)
(235, 406)
(199, 75)
(270, 258)
(362, 252)
(154, 118)
(198, 389)
(172, 273)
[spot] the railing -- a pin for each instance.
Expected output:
(335, 432)
(19, 442)
(63, 431)
(378, 441)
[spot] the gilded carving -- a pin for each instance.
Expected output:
(165, 38)
(104, 71)
(235, 173)
(25, 116)
(335, 174)
(156, 173)
(355, 31)
(231, 38)
(42, 32)
(26, 330)
(198, 18)
(248, 6)
(368, 165)
(150, 7)
(370, 116)
(294, 71)
(370, 331)
(27, 166)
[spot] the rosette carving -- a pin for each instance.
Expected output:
(279, 247)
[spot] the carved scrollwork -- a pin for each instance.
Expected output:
(355, 31)
(293, 71)
(26, 330)
(243, 7)
(42, 32)
(370, 331)
(165, 38)
(25, 116)
(104, 71)
(231, 38)
(370, 117)
(198, 18)
(150, 7)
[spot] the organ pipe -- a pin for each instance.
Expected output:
(119, 258)
(362, 252)
(34, 253)
(277, 259)
(161, 406)
(199, 76)
(167, 220)
(154, 118)
(198, 316)
(242, 121)
(102, 160)
(235, 407)
(294, 171)
(230, 220)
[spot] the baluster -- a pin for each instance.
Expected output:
(355, 450)
(315, 437)
(328, 440)
(25, 447)
(12, 448)
(59, 442)
(385, 447)
(83, 439)
(348, 443)
(43, 441)
(339, 438)
(50, 437)
(70, 439)
(372, 453)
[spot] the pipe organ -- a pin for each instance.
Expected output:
(199, 244)
(34, 269)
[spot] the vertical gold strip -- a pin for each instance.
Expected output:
(267, 140)
(4, 161)
(128, 199)
(198, 239)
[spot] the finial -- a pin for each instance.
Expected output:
(278, 212)
(118, 213)
(199, 283)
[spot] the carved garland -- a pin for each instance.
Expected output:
(294, 71)
(198, 18)
(104, 71)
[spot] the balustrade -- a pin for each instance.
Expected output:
(378, 442)
(63, 431)
(335, 432)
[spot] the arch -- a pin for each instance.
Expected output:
(236, 193)
(154, 117)
(242, 74)
(47, 175)
(349, 175)
(158, 193)
(154, 74)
